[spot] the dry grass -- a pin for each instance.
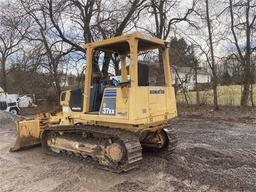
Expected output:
(227, 95)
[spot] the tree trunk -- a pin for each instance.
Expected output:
(251, 93)
(252, 83)
(182, 87)
(56, 80)
(247, 63)
(246, 87)
(105, 66)
(4, 80)
(215, 96)
(117, 70)
(196, 86)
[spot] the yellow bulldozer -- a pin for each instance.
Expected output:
(111, 120)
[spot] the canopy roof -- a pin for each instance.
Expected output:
(120, 44)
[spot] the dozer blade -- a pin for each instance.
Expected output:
(27, 134)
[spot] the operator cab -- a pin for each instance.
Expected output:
(122, 71)
(117, 57)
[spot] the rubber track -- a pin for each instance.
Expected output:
(172, 136)
(131, 142)
(173, 141)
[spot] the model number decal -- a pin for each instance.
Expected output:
(108, 106)
(160, 91)
(108, 111)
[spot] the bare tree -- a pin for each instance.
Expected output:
(195, 66)
(212, 61)
(207, 38)
(164, 17)
(114, 24)
(55, 49)
(242, 17)
(81, 12)
(23, 73)
(13, 30)
(94, 19)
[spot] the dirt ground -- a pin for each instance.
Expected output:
(215, 153)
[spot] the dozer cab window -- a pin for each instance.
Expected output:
(76, 100)
(110, 67)
(150, 68)
(107, 73)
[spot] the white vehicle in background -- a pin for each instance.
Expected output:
(25, 101)
(12, 102)
(9, 102)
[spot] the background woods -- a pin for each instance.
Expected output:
(212, 47)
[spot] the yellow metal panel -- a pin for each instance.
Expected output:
(112, 40)
(118, 39)
(88, 75)
(141, 109)
(123, 68)
(170, 94)
(27, 134)
(167, 71)
(133, 43)
(134, 62)
(65, 102)
(171, 101)
(157, 100)
(122, 103)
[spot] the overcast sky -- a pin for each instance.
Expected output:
(189, 33)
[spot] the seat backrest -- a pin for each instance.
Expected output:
(95, 97)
